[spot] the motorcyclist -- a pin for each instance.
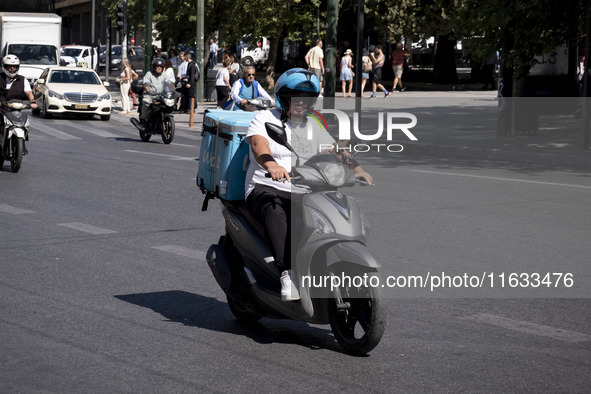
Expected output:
(13, 87)
(153, 85)
(269, 199)
(247, 88)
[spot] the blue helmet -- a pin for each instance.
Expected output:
(295, 82)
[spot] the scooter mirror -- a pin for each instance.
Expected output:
(277, 134)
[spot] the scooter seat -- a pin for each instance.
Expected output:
(243, 209)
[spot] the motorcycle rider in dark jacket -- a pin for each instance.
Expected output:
(12, 87)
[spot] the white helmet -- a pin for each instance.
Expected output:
(10, 60)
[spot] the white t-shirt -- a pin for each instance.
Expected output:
(222, 73)
(305, 142)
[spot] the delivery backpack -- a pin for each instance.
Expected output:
(224, 155)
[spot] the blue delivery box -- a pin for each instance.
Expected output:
(223, 158)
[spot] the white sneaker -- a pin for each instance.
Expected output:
(289, 288)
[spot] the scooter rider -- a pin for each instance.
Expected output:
(269, 198)
(247, 88)
(153, 85)
(13, 87)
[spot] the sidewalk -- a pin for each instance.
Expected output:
(558, 142)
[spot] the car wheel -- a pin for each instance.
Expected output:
(46, 114)
(105, 117)
(248, 61)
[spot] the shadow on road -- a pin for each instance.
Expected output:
(209, 313)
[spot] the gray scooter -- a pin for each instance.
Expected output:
(329, 236)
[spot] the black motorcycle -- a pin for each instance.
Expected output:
(14, 133)
(161, 119)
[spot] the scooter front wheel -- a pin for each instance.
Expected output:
(357, 316)
(241, 313)
(17, 154)
(168, 130)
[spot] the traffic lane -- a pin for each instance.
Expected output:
(463, 217)
(163, 296)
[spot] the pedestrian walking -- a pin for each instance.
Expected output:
(222, 83)
(378, 60)
(398, 57)
(315, 61)
(124, 85)
(346, 72)
(213, 53)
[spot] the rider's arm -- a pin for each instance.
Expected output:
(235, 92)
(263, 156)
(263, 93)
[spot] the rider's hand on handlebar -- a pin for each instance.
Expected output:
(278, 173)
(363, 175)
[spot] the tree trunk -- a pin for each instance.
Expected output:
(269, 83)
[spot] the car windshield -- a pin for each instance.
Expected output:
(72, 51)
(74, 76)
(116, 51)
(34, 53)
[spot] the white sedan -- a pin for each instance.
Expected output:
(78, 56)
(72, 90)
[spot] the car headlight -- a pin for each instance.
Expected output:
(321, 223)
(56, 95)
(335, 173)
(105, 96)
(116, 61)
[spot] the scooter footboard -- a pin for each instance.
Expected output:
(219, 264)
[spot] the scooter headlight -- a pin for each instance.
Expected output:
(321, 223)
(55, 94)
(335, 173)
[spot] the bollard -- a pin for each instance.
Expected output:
(191, 113)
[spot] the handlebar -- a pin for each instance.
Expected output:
(17, 104)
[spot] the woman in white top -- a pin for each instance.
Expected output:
(346, 73)
(169, 71)
(222, 83)
(124, 85)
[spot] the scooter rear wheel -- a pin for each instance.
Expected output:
(357, 317)
(145, 136)
(241, 313)
(17, 155)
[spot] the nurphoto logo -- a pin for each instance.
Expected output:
(392, 121)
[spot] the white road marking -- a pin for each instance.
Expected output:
(502, 179)
(529, 328)
(87, 228)
(98, 132)
(13, 210)
(173, 157)
(53, 132)
(182, 251)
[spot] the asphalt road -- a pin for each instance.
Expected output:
(104, 287)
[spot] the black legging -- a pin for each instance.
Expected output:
(223, 94)
(272, 208)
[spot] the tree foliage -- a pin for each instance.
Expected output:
(523, 29)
